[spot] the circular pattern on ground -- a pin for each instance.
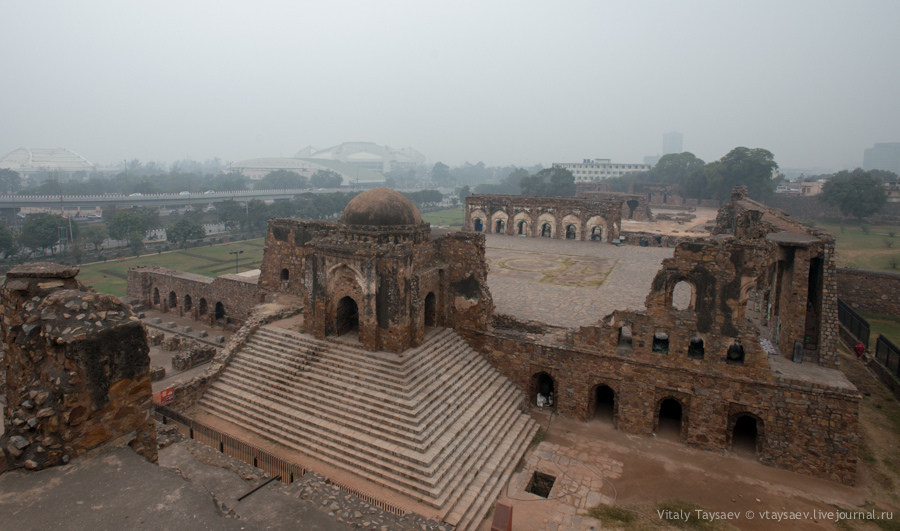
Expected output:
(531, 264)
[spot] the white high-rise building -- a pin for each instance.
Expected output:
(672, 143)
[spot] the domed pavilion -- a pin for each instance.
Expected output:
(379, 274)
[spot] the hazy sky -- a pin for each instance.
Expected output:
(515, 82)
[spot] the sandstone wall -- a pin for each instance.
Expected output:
(804, 427)
(77, 370)
(195, 296)
(870, 291)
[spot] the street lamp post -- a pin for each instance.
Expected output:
(236, 255)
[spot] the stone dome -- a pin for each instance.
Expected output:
(381, 207)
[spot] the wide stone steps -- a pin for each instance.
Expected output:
(387, 466)
(437, 423)
(400, 374)
(343, 393)
(330, 363)
(250, 382)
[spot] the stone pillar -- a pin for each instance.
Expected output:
(77, 369)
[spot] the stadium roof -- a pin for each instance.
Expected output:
(45, 159)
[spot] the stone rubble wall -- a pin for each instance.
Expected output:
(870, 291)
(150, 287)
(77, 367)
(804, 427)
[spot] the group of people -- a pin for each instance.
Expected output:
(545, 400)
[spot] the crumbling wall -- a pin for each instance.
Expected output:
(77, 369)
(195, 296)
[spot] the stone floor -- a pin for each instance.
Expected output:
(568, 283)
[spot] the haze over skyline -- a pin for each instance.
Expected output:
(502, 82)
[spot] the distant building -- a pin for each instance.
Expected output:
(41, 162)
(368, 155)
(599, 169)
(672, 143)
(883, 157)
(651, 160)
(352, 175)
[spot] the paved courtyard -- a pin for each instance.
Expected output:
(568, 283)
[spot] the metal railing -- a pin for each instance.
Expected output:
(855, 323)
(270, 463)
(888, 354)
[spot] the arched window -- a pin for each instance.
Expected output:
(155, 296)
(285, 276)
(683, 296)
(501, 227)
(625, 338)
(735, 354)
(661, 342)
(479, 225)
(571, 232)
(220, 311)
(523, 228)
(546, 231)
(597, 234)
(695, 348)
(173, 300)
(201, 307)
(187, 303)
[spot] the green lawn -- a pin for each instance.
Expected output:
(886, 325)
(875, 250)
(211, 261)
(448, 219)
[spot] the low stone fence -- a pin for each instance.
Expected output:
(870, 291)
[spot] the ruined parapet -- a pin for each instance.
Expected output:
(77, 368)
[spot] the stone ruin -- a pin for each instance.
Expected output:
(77, 370)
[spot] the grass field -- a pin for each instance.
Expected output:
(886, 325)
(875, 250)
(109, 277)
(448, 219)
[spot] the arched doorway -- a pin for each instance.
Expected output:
(597, 234)
(201, 307)
(173, 300)
(605, 404)
(543, 383)
(571, 232)
(219, 312)
(430, 309)
(156, 296)
(745, 436)
(670, 419)
(285, 276)
(501, 227)
(188, 303)
(523, 228)
(479, 225)
(632, 206)
(546, 231)
(346, 316)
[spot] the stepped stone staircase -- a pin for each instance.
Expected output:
(437, 424)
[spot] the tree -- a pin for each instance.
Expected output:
(7, 241)
(440, 174)
(742, 166)
(123, 223)
(231, 213)
(464, 192)
(185, 230)
(683, 169)
(857, 193)
(41, 231)
(94, 235)
(326, 179)
(281, 180)
(257, 214)
(10, 181)
(555, 181)
(885, 175)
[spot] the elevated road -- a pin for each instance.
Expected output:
(92, 201)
